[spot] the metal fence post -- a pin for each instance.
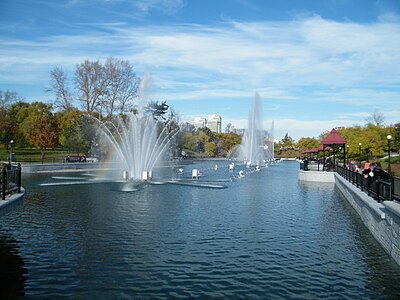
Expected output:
(19, 170)
(378, 191)
(4, 184)
(391, 187)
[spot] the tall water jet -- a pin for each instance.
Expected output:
(138, 143)
(252, 138)
(257, 146)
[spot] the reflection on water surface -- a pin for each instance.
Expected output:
(266, 235)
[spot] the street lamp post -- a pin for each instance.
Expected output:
(346, 154)
(359, 148)
(10, 151)
(389, 137)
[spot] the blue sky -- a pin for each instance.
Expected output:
(316, 64)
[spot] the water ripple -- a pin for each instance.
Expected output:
(264, 237)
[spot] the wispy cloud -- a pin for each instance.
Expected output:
(309, 60)
(303, 52)
(164, 6)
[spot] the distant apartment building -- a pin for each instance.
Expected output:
(200, 122)
(213, 122)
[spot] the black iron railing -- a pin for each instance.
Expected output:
(381, 189)
(304, 166)
(10, 180)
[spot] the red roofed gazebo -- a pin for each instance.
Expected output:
(334, 139)
(313, 150)
(321, 148)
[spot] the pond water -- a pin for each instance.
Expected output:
(263, 236)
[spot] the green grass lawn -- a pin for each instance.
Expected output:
(394, 165)
(29, 154)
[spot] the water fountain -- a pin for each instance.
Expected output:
(255, 148)
(137, 142)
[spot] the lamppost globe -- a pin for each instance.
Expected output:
(10, 151)
(389, 137)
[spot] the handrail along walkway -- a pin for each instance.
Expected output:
(380, 189)
(10, 180)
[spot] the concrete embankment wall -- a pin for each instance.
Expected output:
(316, 176)
(11, 202)
(382, 219)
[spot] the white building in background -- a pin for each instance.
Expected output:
(213, 122)
(200, 122)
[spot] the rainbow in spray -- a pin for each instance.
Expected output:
(138, 144)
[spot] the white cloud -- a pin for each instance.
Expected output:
(165, 6)
(311, 61)
(256, 55)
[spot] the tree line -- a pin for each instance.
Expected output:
(95, 90)
(37, 125)
(365, 142)
(104, 90)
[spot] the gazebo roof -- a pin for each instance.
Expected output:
(313, 150)
(334, 138)
(322, 148)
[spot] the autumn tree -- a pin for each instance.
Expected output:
(187, 141)
(7, 122)
(70, 129)
(287, 146)
(206, 145)
(307, 143)
(77, 131)
(210, 148)
(40, 126)
(15, 115)
(226, 141)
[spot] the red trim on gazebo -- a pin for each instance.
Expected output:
(322, 148)
(313, 150)
(334, 138)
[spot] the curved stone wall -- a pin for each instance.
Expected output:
(382, 219)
